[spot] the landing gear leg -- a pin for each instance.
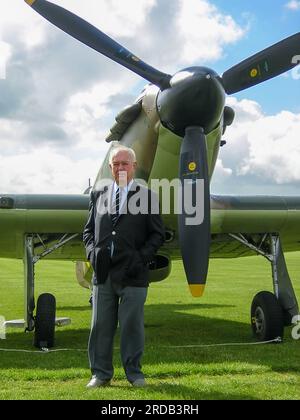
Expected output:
(283, 287)
(29, 303)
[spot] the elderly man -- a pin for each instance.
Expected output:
(120, 244)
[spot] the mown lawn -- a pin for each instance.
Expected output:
(173, 318)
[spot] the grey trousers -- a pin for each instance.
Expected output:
(113, 303)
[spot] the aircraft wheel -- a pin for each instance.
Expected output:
(267, 317)
(45, 321)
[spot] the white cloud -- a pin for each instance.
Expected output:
(85, 112)
(10, 134)
(293, 5)
(46, 172)
(16, 18)
(205, 31)
(34, 168)
(266, 147)
(5, 54)
(117, 18)
(246, 110)
(274, 148)
(221, 174)
(29, 169)
(92, 103)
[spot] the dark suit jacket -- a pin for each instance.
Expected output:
(136, 237)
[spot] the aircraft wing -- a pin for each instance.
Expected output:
(250, 218)
(53, 219)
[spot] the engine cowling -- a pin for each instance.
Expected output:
(160, 269)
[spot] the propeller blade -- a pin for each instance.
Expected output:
(263, 66)
(94, 38)
(194, 229)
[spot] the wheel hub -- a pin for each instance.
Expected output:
(259, 320)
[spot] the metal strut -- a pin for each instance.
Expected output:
(29, 303)
(29, 260)
(270, 247)
(62, 241)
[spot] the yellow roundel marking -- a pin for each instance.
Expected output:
(30, 2)
(192, 166)
(254, 73)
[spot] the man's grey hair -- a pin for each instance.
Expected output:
(116, 149)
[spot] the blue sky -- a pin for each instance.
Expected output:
(59, 98)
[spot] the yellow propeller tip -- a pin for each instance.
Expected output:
(197, 290)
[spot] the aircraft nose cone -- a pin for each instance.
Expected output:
(196, 98)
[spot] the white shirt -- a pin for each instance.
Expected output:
(123, 194)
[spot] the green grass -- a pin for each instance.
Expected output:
(172, 318)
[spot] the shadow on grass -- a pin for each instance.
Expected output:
(84, 308)
(150, 309)
(167, 326)
(185, 393)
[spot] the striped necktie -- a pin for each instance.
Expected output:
(116, 208)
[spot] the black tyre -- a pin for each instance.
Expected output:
(267, 319)
(45, 321)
